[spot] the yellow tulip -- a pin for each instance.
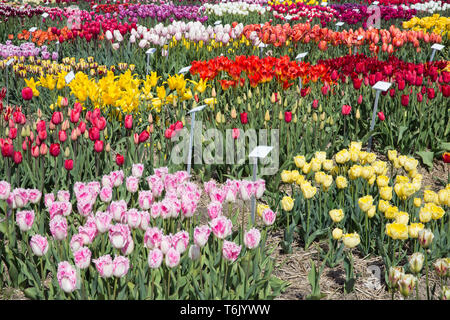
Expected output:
(425, 215)
(402, 217)
(287, 203)
(382, 181)
(386, 193)
(430, 196)
(336, 215)
(417, 202)
(308, 191)
(328, 165)
(299, 161)
(342, 156)
(365, 203)
(341, 182)
(397, 231)
(351, 240)
(414, 228)
(390, 212)
(337, 234)
(383, 205)
(371, 212)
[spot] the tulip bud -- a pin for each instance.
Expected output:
(226, 107)
(322, 116)
(320, 108)
(108, 147)
(406, 284)
(249, 94)
(159, 146)
(425, 238)
(358, 115)
(305, 119)
(23, 132)
(39, 113)
(280, 116)
(315, 119)
(213, 92)
(322, 125)
(233, 113)
(267, 116)
(28, 131)
(337, 234)
(239, 101)
(7, 132)
(249, 108)
(150, 118)
(136, 138)
(86, 134)
(295, 119)
(416, 262)
(257, 105)
(51, 126)
(67, 152)
(272, 98)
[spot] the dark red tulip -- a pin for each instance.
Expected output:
(94, 134)
(357, 83)
(120, 159)
(68, 164)
(405, 100)
(288, 116)
(57, 117)
(244, 119)
(431, 93)
(446, 90)
(143, 136)
(55, 149)
(419, 97)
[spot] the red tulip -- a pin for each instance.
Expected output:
(244, 119)
(57, 117)
(82, 127)
(381, 116)
(100, 123)
(120, 159)
(55, 149)
(168, 133)
(41, 125)
(357, 83)
(324, 90)
(74, 135)
(315, 103)
(346, 109)
(98, 146)
(360, 99)
(178, 125)
(43, 149)
(288, 116)
(235, 133)
(74, 116)
(27, 93)
(62, 136)
(25, 144)
(128, 121)
(419, 97)
(143, 136)
(94, 134)
(401, 85)
(391, 92)
(446, 157)
(17, 157)
(7, 150)
(405, 100)
(445, 90)
(431, 93)
(35, 151)
(13, 133)
(68, 164)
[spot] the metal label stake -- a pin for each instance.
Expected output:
(435, 47)
(8, 63)
(379, 86)
(258, 152)
(149, 52)
(191, 137)
(339, 24)
(299, 58)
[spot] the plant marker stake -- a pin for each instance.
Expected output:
(339, 24)
(8, 63)
(379, 86)
(356, 48)
(261, 46)
(191, 138)
(185, 70)
(31, 32)
(258, 152)
(435, 47)
(299, 57)
(149, 52)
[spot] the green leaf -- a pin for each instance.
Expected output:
(427, 157)
(31, 293)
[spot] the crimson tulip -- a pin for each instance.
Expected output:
(27, 93)
(7, 150)
(381, 116)
(405, 100)
(288, 116)
(68, 164)
(57, 117)
(235, 133)
(120, 159)
(17, 157)
(94, 134)
(446, 157)
(143, 136)
(55, 149)
(244, 119)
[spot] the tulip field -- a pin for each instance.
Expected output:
(225, 150)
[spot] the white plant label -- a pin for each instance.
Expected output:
(382, 85)
(69, 77)
(151, 51)
(200, 108)
(260, 152)
(185, 69)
